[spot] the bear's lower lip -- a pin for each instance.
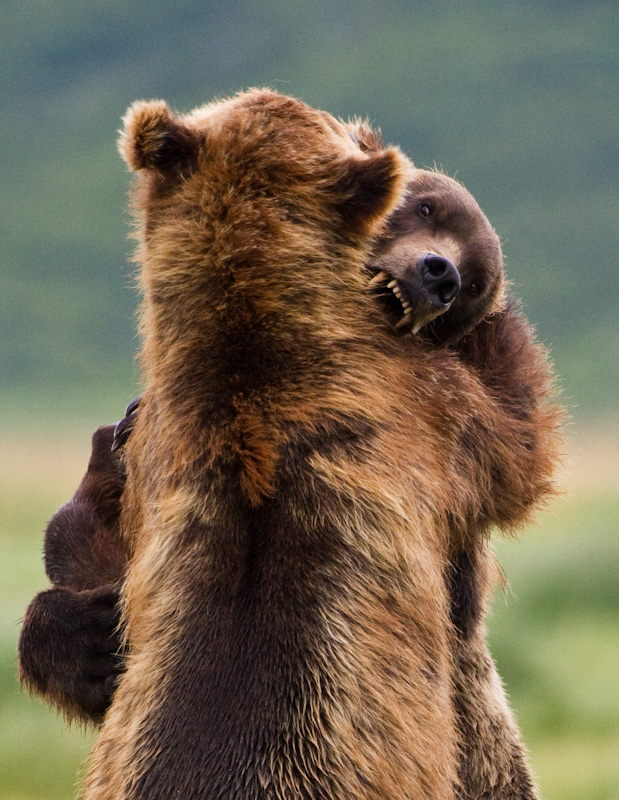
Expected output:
(395, 300)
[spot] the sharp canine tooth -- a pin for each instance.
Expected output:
(392, 284)
(379, 278)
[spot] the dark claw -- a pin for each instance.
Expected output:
(133, 405)
(125, 426)
(121, 433)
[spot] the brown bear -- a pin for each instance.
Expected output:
(503, 339)
(277, 564)
(439, 218)
(440, 226)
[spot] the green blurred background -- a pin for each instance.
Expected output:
(519, 100)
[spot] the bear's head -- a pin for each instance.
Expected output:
(259, 205)
(439, 270)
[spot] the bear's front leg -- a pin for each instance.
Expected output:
(70, 648)
(492, 763)
(513, 446)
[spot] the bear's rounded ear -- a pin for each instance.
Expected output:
(369, 139)
(371, 187)
(152, 138)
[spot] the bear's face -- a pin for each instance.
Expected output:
(440, 269)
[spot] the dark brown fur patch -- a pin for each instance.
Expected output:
(464, 591)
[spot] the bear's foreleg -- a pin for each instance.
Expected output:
(70, 648)
(518, 451)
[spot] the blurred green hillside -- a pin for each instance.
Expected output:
(518, 99)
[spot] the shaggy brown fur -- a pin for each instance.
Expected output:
(326, 446)
(502, 353)
(284, 600)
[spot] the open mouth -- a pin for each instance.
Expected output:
(395, 301)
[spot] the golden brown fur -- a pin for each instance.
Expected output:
(301, 486)
(285, 600)
(511, 446)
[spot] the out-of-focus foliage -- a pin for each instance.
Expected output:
(517, 99)
(556, 641)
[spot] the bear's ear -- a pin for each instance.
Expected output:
(152, 138)
(369, 139)
(371, 187)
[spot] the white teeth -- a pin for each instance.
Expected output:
(398, 291)
(405, 322)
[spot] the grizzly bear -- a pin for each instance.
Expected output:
(276, 563)
(440, 218)
(438, 225)
(344, 474)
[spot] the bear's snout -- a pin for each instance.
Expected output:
(440, 278)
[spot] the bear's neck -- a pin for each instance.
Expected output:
(235, 363)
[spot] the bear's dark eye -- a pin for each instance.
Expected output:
(475, 288)
(424, 210)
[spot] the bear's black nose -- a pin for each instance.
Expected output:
(440, 278)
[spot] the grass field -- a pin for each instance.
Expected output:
(554, 633)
